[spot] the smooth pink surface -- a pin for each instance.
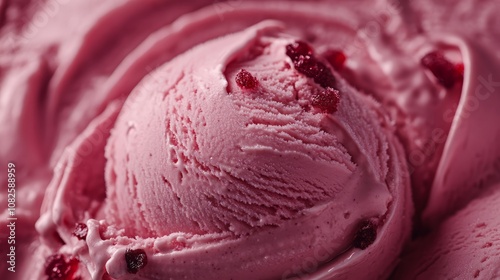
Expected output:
(466, 246)
(67, 69)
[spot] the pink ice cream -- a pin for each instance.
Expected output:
(185, 140)
(463, 247)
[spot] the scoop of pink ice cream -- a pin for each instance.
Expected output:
(217, 174)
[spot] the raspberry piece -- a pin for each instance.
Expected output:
(327, 100)
(178, 245)
(302, 57)
(80, 231)
(443, 70)
(459, 68)
(245, 80)
(297, 49)
(57, 267)
(366, 235)
(135, 259)
(312, 68)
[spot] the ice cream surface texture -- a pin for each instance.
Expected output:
(246, 139)
(217, 180)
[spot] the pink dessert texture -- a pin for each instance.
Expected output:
(251, 139)
(465, 246)
(228, 179)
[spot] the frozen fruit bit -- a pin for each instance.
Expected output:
(366, 235)
(57, 267)
(245, 80)
(80, 231)
(327, 100)
(446, 73)
(336, 59)
(297, 49)
(302, 57)
(135, 259)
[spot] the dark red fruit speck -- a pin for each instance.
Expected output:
(58, 267)
(297, 49)
(327, 100)
(307, 65)
(178, 245)
(304, 61)
(135, 259)
(366, 235)
(245, 80)
(336, 59)
(80, 231)
(312, 68)
(446, 73)
(324, 76)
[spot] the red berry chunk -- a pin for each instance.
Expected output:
(178, 245)
(80, 231)
(302, 56)
(58, 267)
(245, 80)
(366, 235)
(459, 68)
(304, 61)
(135, 259)
(327, 100)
